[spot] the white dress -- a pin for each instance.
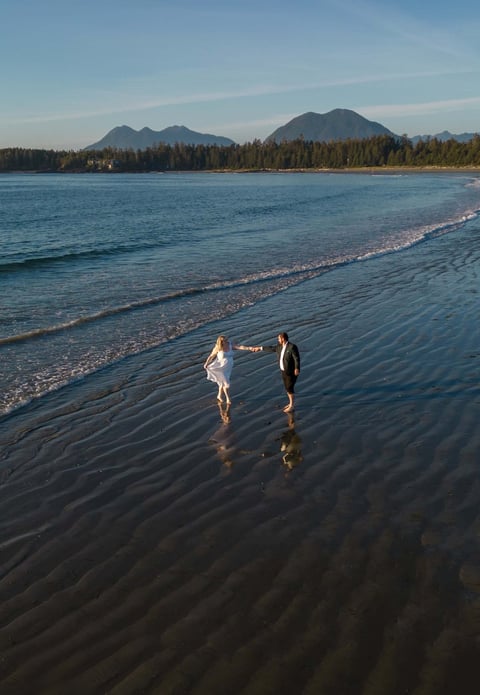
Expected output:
(220, 369)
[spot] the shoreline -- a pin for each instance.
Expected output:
(345, 170)
(151, 544)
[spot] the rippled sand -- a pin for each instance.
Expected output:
(152, 542)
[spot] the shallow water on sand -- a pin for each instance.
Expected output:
(97, 268)
(151, 545)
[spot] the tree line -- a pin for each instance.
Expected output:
(377, 151)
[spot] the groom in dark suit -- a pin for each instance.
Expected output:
(289, 363)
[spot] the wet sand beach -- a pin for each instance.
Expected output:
(153, 542)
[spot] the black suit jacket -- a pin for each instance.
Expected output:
(291, 358)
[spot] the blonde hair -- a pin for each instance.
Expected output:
(221, 340)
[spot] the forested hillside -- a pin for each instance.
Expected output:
(377, 151)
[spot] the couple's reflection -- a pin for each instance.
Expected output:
(291, 445)
(224, 440)
(223, 437)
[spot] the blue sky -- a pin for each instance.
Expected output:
(71, 70)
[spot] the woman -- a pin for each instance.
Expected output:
(219, 365)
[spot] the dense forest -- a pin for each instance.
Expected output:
(378, 151)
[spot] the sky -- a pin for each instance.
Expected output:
(71, 70)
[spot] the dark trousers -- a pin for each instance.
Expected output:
(289, 381)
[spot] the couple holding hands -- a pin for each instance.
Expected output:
(219, 365)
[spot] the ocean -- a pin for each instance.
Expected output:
(95, 268)
(153, 540)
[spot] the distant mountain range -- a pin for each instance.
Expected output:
(342, 124)
(339, 124)
(444, 136)
(124, 138)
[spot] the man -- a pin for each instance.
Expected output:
(289, 363)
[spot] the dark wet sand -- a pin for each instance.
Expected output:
(148, 546)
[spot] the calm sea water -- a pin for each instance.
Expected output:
(97, 267)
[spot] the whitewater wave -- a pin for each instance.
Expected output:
(283, 277)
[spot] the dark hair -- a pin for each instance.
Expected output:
(284, 336)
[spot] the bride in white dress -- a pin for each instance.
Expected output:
(219, 365)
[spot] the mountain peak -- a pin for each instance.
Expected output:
(339, 124)
(125, 138)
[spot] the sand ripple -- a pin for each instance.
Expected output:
(148, 546)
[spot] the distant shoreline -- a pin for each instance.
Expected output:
(360, 170)
(389, 170)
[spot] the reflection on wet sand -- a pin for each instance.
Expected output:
(291, 445)
(224, 409)
(225, 441)
(222, 438)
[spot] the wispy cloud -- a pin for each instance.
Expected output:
(144, 105)
(398, 24)
(131, 105)
(424, 108)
